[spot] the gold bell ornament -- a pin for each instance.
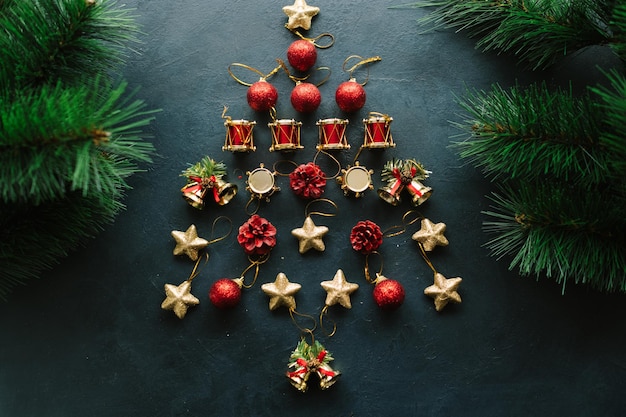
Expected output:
(205, 181)
(404, 174)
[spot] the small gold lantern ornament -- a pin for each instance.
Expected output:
(205, 182)
(355, 180)
(261, 183)
(404, 174)
(377, 129)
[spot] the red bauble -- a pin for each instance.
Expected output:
(305, 97)
(350, 96)
(388, 294)
(225, 293)
(262, 96)
(302, 54)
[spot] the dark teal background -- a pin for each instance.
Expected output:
(90, 338)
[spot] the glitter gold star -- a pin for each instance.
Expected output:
(431, 235)
(338, 290)
(188, 242)
(179, 298)
(281, 292)
(300, 15)
(310, 236)
(444, 290)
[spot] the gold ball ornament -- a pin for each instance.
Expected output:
(188, 243)
(300, 15)
(310, 236)
(338, 290)
(179, 298)
(431, 235)
(281, 292)
(444, 290)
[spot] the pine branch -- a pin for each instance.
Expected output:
(57, 139)
(618, 23)
(33, 238)
(524, 133)
(538, 32)
(46, 40)
(547, 232)
(613, 107)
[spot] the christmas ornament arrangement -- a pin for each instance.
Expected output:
(206, 186)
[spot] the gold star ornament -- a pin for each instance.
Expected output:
(179, 298)
(310, 236)
(431, 235)
(300, 15)
(188, 243)
(338, 290)
(444, 290)
(281, 292)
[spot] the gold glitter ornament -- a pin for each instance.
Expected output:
(338, 290)
(300, 15)
(179, 298)
(310, 236)
(188, 243)
(281, 292)
(431, 235)
(444, 290)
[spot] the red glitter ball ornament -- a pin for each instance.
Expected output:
(262, 96)
(302, 55)
(350, 96)
(257, 236)
(388, 293)
(366, 237)
(305, 97)
(307, 180)
(225, 293)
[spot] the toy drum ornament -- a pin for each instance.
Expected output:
(355, 180)
(239, 137)
(261, 183)
(285, 135)
(377, 131)
(332, 134)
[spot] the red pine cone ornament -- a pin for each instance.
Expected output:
(366, 237)
(225, 292)
(302, 55)
(262, 96)
(388, 293)
(305, 98)
(257, 236)
(308, 181)
(350, 96)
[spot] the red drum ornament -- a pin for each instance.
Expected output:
(332, 134)
(239, 136)
(377, 129)
(305, 97)
(285, 135)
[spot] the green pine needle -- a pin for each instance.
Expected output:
(58, 138)
(538, 32)
(565, 233)
(47, 40)
(524, 133)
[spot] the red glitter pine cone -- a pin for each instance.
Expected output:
(307, 181)
(257, 236)
(366, 237)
